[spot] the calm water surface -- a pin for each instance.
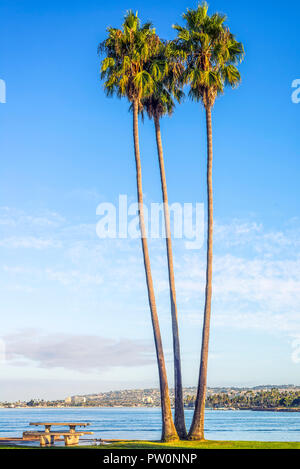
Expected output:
(140, 423)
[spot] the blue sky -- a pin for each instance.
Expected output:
(72, 304)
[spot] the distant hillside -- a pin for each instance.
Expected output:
(271, 395)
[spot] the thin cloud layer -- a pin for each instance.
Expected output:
(75, 352)
(256, 270)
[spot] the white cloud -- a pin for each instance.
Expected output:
(254, 293)
(74, 277)
(256, 281)
(14, 217)
(75, 352)
(29, 242)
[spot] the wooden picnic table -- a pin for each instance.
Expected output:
(47, 436)
(72, 425)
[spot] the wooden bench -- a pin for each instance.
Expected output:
(48, 437)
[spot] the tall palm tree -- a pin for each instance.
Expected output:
(127, 51)
(212, 54)
(168, 72)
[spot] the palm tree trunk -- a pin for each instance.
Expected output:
(179, 409)
(168, 428)
(197, 428)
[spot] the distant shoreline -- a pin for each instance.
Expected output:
(225, 409)
(275, 409)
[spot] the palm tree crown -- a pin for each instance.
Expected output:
(167, 70)
(211, 52)
(127, 50)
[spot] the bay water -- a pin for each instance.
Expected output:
(145, 423)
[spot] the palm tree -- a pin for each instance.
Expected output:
(168, 70)
(212, 53)
(127, 51)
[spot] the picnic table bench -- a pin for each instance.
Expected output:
(48, 437)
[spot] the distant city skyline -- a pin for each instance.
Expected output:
(74, 308)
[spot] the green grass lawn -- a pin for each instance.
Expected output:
(203, 445)
(183, 445)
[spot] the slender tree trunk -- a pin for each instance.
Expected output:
(197, 428)
(179, 409)
(168, 428)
